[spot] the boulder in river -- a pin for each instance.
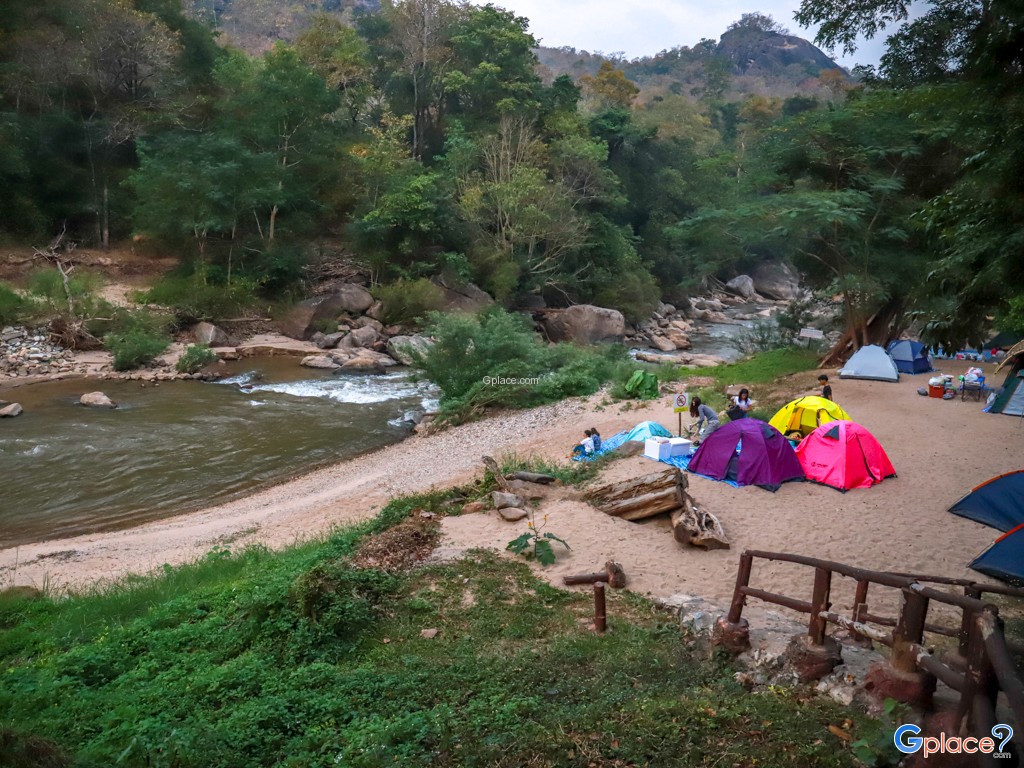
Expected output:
(776, 280)
(96, 400)
(402, 348)
(319, 361)
(742, 285)
(11, 410)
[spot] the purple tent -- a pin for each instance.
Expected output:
(765, 457)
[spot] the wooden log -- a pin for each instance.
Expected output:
(640, 497)
(533, 477)
(613, 575)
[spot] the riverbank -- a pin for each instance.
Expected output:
(939, 448)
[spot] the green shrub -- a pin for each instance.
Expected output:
(408, 301)
(193, 298)
(48, 286)
(494, 359)
(763, 336)
(195, 357)
(136, 338)
(14, 308)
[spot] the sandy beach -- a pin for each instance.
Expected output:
(940, 450)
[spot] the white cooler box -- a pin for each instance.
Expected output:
(657, 448)
(680, 446)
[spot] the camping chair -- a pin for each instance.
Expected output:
(974, 389)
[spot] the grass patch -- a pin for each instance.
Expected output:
(300, 659)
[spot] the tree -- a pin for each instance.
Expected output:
(609, 88)
(339, 56)
(970, 54)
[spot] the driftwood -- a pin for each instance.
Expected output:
(492, 467)
(640, 497)
(612, 575)
(697, 527)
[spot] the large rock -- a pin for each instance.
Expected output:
(742, 285)
(462, 298)
(402, 348)
(776, 280)
(360, 337)
(354, 299)
(10, 411)
(366, 361)
(585, 324)
(300, 321)
(211, 335)
(502, 500)
(96, 400)
(319, 361)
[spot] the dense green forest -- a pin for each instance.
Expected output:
(422, 140)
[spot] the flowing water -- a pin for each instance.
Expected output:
(168, 448)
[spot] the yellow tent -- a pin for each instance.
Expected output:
(805, 414)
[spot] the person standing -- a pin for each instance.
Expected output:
(741, 404)
(826, 388)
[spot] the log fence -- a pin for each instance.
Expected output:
(982, 666)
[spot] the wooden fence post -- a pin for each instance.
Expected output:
(909, 630)
(819, 603)
(742, 580)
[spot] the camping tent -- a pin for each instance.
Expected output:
(910, 356)
(844, 455)
(805, 414)
(764, 456)
(998, 502)
(1011, 399)
(870, 362)
(1004, 559)
(642, 431)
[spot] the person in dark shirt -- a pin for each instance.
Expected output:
(596, 437)
(826, 388)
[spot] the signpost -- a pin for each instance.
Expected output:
(811, 333)
(680, 403)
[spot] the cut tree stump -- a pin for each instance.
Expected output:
(640, 497)
(696, 527)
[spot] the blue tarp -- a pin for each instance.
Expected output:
(641, 432)
(1004, 560)
(998, 502)
(683, 462)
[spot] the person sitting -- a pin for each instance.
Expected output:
(584, 447)
(707, 419)
(741, 404)
(595, 436)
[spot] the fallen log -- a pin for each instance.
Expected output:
(612, 575)
(640, 497)
(697, 527)
(533, 477)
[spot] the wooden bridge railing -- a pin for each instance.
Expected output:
(983, 665)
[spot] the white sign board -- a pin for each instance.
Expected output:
(811, 333)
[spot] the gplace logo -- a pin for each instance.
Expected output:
(908, 741)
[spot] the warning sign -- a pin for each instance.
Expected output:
(681, 402)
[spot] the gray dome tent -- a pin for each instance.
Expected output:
(870, 362)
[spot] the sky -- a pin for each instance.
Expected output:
(644, 27)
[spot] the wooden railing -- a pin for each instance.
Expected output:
(983, 665)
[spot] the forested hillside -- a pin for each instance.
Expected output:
(421, 139)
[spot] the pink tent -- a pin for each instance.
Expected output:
(844, 455)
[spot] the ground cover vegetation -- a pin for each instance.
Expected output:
(313, 656)
(422, 138)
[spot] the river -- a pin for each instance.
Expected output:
(179, 445)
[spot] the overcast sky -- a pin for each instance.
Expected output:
(645, 27)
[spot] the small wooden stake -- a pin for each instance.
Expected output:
(600, 616)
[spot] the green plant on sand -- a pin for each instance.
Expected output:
(533, 543)
(195, 357)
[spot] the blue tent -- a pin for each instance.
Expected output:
(910, 356)
(998, 502)
(1004, 560)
